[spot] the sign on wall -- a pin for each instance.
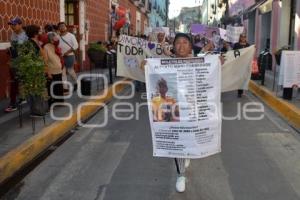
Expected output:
(290, 69)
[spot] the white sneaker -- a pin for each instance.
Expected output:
(180, 184)
(187, 162)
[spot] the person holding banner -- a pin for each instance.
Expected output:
(182, 45)
(183, 49)
(240, 45)
(161, 39)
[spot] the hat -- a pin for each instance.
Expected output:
(184, 35)
(15, 21)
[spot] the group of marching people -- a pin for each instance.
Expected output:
(56, 46)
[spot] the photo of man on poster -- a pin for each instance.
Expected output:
(164, 107)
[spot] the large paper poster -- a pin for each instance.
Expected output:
(152, 35)
(157, 30)
(233, 33)
(132, 51)
(201, 29)
(184, 106)
(290, 69)
(236, 71)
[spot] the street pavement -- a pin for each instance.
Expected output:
(260, 160)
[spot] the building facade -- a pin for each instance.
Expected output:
(89, 20)
(158, 17)
(137, 11)
(272, 23)
(212, 11)
(31, 12)
(188, 16)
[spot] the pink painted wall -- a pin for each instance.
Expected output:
(257, 31)
(276, 12)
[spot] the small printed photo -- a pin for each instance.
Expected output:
(164, 103)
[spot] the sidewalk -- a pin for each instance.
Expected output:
(272, 96)
(12, 135)
(269, 77)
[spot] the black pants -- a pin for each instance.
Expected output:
(58, 89)
(180, 165)
(287, 93)
(240, 93)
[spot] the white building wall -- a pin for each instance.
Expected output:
(284, 25)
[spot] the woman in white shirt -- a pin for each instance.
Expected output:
(68, 45)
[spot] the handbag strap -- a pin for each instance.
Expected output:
(67, 43)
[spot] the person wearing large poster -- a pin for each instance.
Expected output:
(183, 49)
(165, 109)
